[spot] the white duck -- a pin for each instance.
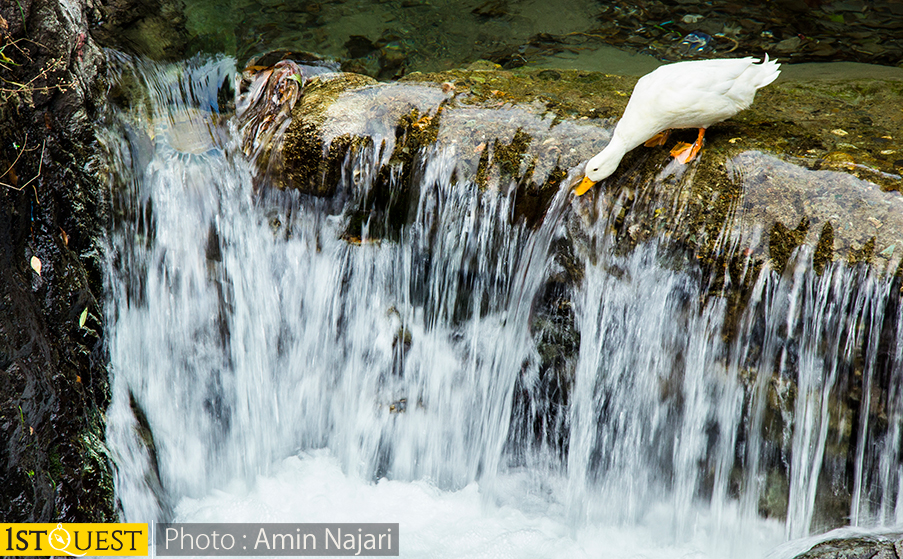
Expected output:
(694, 94)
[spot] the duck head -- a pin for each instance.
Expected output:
(601, 166)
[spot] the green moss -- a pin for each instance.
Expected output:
(55, 467)
(783, 241)
(308, 163)
(510, 156)
(824, 249)
(482, 174)
(571, 93)
(533, 199)
(863, 254)
(821, 119)
(424, 129)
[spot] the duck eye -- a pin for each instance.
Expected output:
(596, 169)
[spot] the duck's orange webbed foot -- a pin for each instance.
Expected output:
(658, 140)
(684, 152)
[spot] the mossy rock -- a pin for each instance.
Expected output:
(308, 159)
(855, 548)
(819, 153)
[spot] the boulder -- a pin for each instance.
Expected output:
(820, 158)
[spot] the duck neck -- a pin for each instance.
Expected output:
(616, 147)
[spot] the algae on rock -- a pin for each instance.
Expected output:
(776, 162)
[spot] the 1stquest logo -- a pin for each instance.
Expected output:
(199, 539)
(74, 540)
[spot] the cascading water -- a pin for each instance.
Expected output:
(268, 368)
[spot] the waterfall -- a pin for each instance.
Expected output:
(255, 345)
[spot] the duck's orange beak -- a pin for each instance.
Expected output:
(584, 185)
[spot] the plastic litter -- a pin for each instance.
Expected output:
(695, 43)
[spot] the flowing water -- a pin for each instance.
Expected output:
(267, 368)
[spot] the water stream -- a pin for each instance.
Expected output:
(285, 373)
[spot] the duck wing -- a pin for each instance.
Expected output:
(694, 94)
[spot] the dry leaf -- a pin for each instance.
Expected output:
(36, 264)
(64, 236)
(12, 176)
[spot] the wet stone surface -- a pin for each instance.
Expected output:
(855, 548)
(805, 165)
(54, 465)
(809, 163)
(858, 211)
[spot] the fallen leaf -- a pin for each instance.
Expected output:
(64, 236)
(83, 318)
(422, 122)
(12, 176)
(78, 378)
(36, 264)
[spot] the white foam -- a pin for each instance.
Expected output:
(517, 522)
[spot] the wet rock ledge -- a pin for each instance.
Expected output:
(812, 162)
(856, 548)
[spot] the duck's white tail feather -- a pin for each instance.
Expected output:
(742, 90)
(764, 73)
